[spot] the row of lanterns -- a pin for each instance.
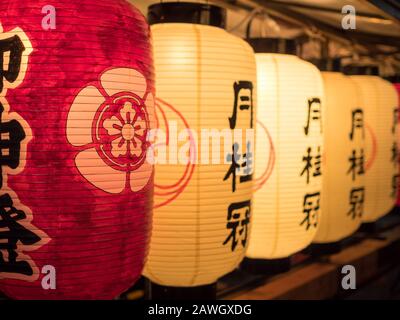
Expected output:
(77, 187)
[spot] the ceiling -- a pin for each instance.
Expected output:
(370, 19)
(377, 33)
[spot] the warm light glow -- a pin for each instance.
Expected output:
(397, 86)
(379, 100)
(287, 90)
(197, 81)
(344, 177)
(76, 191)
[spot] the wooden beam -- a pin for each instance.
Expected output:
(324, 9)
(388, 7)
(338, 34)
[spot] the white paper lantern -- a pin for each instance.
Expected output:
(344, 141)
(287, 199)
(201, 70)
(380, 102)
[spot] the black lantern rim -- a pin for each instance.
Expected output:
(328, 64)
(187, 12)
(273, 45)
(361, 70)
(394, 78)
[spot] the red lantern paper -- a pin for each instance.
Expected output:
(78, 102)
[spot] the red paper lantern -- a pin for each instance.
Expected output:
(77, 90)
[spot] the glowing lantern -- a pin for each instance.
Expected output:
(76, 189)
(344, 145)
(207, 76)
(379, 100)
(289, 150)
(397, 86)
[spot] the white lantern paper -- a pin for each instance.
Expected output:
(202, 234)
(380, 102)
(344, 141)
(290, 113)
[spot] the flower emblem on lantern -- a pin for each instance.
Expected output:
(109, 122)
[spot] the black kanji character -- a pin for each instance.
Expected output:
(312, 162)
(247, 164)
(11, 135)
(12, 232)
(314, 114)
(311, 206)
(357, 122)
(395, 119)
(395, 154)
(357, 164)
(308, 160)
(317, 163)
(236, 220)
(356, 199)
(243, 91)
(234, 168)
(15, 47)
(395, 186)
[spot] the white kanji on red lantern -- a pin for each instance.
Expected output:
(109, 123)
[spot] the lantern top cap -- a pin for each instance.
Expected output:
(187, 12)
(329, 64)
(358, 70)
(394, 78)
(273, 45)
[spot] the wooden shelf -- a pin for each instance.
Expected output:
(321, 278)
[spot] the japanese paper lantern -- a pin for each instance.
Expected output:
(397, 86)
(208, 76)
(344, 145)
(76, 194)
(379, 100)
(289, 149)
